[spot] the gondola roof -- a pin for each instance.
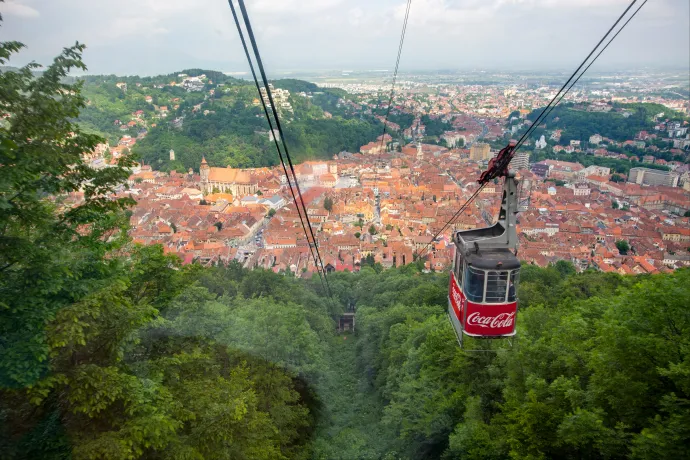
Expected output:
(488, 259)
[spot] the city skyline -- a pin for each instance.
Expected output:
(152, 37)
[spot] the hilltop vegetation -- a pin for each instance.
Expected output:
(107, 103)
(112, 350)
(617, 166)
(221, 119)
(599, 371)
(579, 124)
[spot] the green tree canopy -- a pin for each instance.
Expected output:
(49, 232)
(109, 349)
(623, 246)
(328, 204)
(119, 351)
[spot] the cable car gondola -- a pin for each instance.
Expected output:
(482, 299)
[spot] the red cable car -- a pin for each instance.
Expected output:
(482, 301)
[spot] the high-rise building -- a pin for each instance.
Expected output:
(520, 161)
(646, 176)
(480, 151)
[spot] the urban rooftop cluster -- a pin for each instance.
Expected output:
(383, 204)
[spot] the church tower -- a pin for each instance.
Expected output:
(420, 154)
(204, 171)
(172, 155)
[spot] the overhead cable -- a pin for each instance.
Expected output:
(259, 63)
(452, 219)
(395, 78)
(317, 260)
(565, 85)
(561, 93)
(594, 60)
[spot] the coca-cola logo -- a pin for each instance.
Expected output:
(494, 322)
(456, 296)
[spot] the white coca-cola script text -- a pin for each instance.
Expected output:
(457, 299)
(498, 321)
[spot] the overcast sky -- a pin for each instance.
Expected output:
(149, 37)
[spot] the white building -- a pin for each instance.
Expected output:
(594, 170)
(520, 161)
(581, 190)
(275, 202)
(595, 139)
(192, 193)
(193, 84)
(452, 138)
(646, 176)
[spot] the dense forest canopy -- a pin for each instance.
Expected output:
(579, 124)
(113, 350)
(301, 86)
(435, 126)
(599, 370)
(617, 166)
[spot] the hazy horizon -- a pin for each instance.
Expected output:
(156, 37)
(678, 72)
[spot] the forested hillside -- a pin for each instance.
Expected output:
(617, 165)
(579, 124)
(117, 351)
(600, 369)
(221, 119)
(110, 350)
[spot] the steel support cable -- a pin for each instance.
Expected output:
(397, 66)
(565, 85)
(262, 71)
(395, 78)
(594, 60)
(551, 104)
(268, 118)
(270, 124)
(452, 219)
(546, 113)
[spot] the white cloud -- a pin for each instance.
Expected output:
(130, 35)
(292, 6)
(129, 26)
(18, 9)
(162, 8)
(356, 17)
(441, 12)
(452, 12)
